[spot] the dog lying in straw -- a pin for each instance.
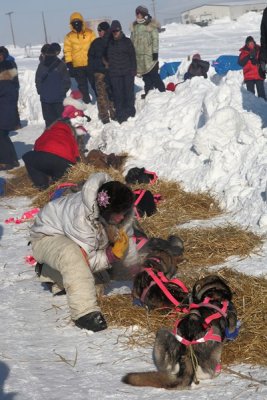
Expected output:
(159, 260)
(193, 350)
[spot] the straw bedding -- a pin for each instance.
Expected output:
(250, 295)
(203, 247)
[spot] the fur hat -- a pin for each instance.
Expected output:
(103, 26)
(141, 10)
(115, 25)
(114, 197)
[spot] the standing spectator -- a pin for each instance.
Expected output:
(54, 152)
(76, 46)
(145, 37)
(101, 75)
(197, 67)
(52, 83)
(9, 87)
(263, 52)
(122, 70)
(43, 52)
(249, 59)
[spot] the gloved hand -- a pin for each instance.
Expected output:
(121, 245)
(70, 68)
(155, 56)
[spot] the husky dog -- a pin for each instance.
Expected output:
(194, 351)
(159, 255)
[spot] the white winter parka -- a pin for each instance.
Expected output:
(77, 217)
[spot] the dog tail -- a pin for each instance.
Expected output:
(153, 379)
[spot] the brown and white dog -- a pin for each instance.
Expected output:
(194, 350)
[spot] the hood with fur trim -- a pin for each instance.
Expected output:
(150, 23)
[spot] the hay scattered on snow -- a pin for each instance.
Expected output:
(250, 296)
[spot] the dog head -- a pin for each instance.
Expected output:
(169, 252)
(211, 286)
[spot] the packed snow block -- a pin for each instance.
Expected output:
(225, 63)
(169, 69)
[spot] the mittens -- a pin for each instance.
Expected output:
(121, 245)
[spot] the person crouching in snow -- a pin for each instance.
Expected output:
(197, 67)
(249, 60)
(55, 151)
(70, 238)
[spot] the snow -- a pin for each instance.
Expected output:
(210, 135)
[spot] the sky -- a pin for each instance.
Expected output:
(27, 17)
(209, 135)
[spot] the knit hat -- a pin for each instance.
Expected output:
(72, 112)
(55, 48)
(196, 57)
(115, 25)
(114, 197)
(249, 39)
(103, 26)
(141, 10)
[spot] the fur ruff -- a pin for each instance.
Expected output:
(8, 74)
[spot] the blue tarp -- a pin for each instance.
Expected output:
(226, 63)
(169, 69)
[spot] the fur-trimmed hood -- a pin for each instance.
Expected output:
(7, 71)
(150, 23)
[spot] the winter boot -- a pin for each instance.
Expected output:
(93, 321)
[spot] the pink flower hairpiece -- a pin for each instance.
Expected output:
(103, 199)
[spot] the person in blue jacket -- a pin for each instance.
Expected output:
(52, 83)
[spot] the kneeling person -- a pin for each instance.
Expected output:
(70, 235)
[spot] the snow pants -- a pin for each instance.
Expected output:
(8, 153)
(259, 86)
(123, 96)
(41, 166)
(82, 75)
(64, 264)
(152, 80)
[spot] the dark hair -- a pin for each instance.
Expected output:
(4, 51)
(119, 198)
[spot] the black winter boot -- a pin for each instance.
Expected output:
(93, 321)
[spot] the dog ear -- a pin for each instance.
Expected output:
(176, 243)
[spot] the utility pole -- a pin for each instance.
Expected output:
(45, 32)
(154, 8)
(11, 26)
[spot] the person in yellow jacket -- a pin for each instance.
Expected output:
(76, 45)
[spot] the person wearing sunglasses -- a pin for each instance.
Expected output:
(145, 38)
(121, 61)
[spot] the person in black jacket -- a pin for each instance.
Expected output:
(9, 86)
(263, 51)
(52, 83)
(197, 67)
(102, 82)
(121, 59)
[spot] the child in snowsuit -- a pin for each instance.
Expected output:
(70, 238)
(52, 83)
(249, 59)
(197, 67)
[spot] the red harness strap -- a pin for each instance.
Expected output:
(159, 279)
(140, 241)
(141, 193)
(155, 176)
(209, 335)
(221, 312)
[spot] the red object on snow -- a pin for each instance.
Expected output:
(171, 87)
